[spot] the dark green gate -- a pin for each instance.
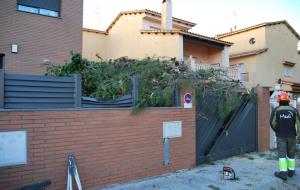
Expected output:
(218, 139)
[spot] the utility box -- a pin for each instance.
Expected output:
(13, 148)
(172, 129)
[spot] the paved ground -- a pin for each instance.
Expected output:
(254, 171)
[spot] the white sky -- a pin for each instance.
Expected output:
(212, 16)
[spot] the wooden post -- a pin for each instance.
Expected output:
(77, 91)
(134, 90)
(1, 89)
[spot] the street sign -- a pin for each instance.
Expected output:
(188, 100)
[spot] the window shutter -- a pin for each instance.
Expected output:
(53, 5)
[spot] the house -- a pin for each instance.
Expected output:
(267, 53)
(35, 34)
(146, 33)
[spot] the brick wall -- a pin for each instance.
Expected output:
(39, 37)
(263, 116)
(110, 145)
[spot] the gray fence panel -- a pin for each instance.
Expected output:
(38, 92)
(123, 101)
(38, 83)
(9, 76)
(38, 95)
(106, 106)
(37, 106)
(44, 92)
(37, 89)
(40, 100)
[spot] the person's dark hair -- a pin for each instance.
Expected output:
(284, 103)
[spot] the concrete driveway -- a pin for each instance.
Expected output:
(254, 171)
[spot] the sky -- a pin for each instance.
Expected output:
(212, 16)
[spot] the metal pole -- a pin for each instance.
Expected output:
(1, 88)
(135, 90)
(177, 95)
(77, 91)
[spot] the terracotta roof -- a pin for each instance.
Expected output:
(94, 31)
(259, 26)
(148, 12)
(248, 53)
(186, 33)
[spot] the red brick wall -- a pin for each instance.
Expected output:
(263, 96)
(110, 145)
(39, 37)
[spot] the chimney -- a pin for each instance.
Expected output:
(166, 15)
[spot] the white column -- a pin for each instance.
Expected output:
(180, 53)
(225, 57)
(193, 64)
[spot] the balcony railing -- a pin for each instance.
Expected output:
(233, 71)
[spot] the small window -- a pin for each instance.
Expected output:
(252, 41)
(244, 77)
(45, 7)
(288, 72)
(298, 46)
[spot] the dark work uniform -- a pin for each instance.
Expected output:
(283, 120)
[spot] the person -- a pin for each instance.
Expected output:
(283, 121)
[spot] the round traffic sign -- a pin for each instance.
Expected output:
(187, 98)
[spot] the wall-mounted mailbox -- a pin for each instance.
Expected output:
(172, 129)
(13, 148)
(14, 48)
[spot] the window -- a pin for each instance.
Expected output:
(298, 47)
(244, 77)
(42, 7)
(252, 41)
(288, 71)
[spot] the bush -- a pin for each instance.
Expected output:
(157, 81)
(108, 80)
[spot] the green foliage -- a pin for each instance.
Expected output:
(157, 81)
(108, 80)
(218, 92)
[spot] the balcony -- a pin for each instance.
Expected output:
(233, 71)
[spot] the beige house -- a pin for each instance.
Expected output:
(266, 53)
(146, 33)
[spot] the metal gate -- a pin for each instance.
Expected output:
(218, 139)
